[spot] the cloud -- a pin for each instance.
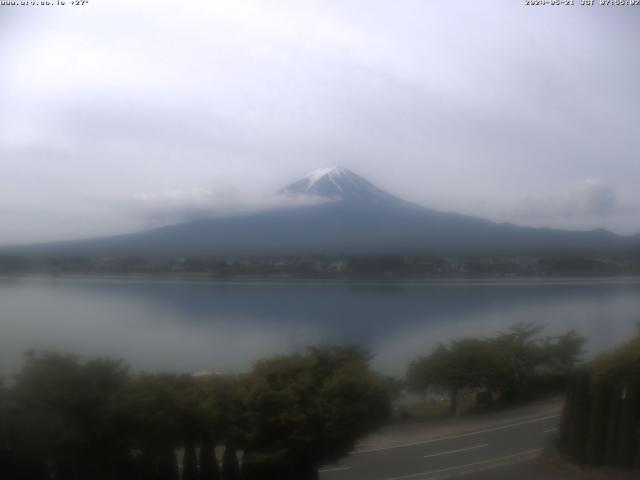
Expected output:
(588, 198)
(423, 99)
(593, 197)
(178, 206)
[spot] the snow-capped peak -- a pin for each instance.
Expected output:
(337, 183)
(332, 173)
(320, 172)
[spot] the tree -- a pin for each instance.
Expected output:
(519, 352)
(66, 412)
(503, 364)
(309, 409)
(224, 414)
(602, 411)
(465, 364)
(75, 419)
(230, 466)
(209, 469)
(190, 463)
(522, 352)
(155, 407)
(563, 352)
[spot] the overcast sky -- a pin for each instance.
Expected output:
(120, 115)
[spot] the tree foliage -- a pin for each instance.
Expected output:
(308, 409)
(602, 410)
(503, 364)
(70, 419)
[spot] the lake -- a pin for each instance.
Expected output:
(188, 326)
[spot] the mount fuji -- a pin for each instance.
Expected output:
(353, 217)
(337, 183)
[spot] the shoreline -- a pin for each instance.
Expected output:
(368, 280)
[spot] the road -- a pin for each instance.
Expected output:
(505, 450)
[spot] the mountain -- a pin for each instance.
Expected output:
(355, 217)
(341, 184)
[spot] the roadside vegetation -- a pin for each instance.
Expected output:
(472, 373)
(601, 421)
(64, 418)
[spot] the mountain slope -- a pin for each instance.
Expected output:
(358, 217)
(340, 184)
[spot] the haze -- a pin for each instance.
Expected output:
(121, 115)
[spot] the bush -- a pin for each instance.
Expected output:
(69, 419)
(510, 364)
(608, 408)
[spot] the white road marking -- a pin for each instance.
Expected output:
(513, 458)
(336, 469)
(461, 435)
(550, 430)
(450, 452)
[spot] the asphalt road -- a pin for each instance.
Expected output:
(502, 451)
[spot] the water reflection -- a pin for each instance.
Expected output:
(188, 326)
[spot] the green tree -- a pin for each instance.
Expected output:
(310, 408)
(162, 414)
(190, 463)
(66, 412)
(224, 414)
(230, 466)
(522, 353)
(563, 352)
(209, 469)
(503, 364)
(467, 364)
(602, 411)
(73, 419)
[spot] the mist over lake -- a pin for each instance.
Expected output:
(188, 326)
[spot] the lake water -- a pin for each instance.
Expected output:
(191, 325)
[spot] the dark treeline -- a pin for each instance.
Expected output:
(330, 266)
(601, 420)
(64, 418)
(516, 364)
